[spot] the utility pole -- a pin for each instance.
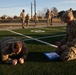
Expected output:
(31, 10)
(34, 6)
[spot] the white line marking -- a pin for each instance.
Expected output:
(46, 37)
(51, 29)
(50, 36)
(48, 29)
(32, 38)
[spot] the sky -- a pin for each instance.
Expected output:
(14, 7)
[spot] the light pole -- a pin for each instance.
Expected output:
(34, 6)
(31, 10)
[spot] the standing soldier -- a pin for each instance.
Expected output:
(51, 17)
(36, 19)
(48, 17)
(67, 46)
(22, 16)
(27, 19)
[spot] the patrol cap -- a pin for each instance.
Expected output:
(23, 10)
(17, 46)
(66, 14)
(70, 9)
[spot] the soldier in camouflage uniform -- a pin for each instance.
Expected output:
(22, 16)
(36, 19)
(27, 19)
(13, 50)
(67, 46)
(49, 16)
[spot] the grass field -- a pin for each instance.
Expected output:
(38, 41)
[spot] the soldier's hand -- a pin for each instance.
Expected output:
(21, 60)
(58, 43)
(14, 62)
(63, 47)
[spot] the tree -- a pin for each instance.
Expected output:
(42, 12)
(55, 11)
(15, 17)
(4, 17)
(60, 13)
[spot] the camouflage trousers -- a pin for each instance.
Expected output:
(69, 53)
(36, 22)
(49, 21)
(23, 23)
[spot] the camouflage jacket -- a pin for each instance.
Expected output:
(36, 17)
(27, 18)
(22, 15)
(69, 41)
(48, 15)
(7, 54)
(70, 37)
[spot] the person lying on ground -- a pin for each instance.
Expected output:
(13, 50)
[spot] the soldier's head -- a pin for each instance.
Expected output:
(17, 47)
(70, 9)
(67, 16)
(23, 10)
(48, 10)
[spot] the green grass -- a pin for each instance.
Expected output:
(36, 62)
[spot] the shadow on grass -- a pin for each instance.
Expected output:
(39, 57)
(36, 57)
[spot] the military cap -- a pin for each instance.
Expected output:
(66, 14)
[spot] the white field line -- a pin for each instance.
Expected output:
(50, 36)
(32, 38)
(48, 29)
(46, 37)
(51, 29)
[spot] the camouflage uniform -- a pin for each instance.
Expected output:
(49, 16)
(36, 19)
(7, 55)
(69, 53)
(22, 16)
(27, 19)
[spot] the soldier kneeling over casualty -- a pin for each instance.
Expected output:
(67, 46)
(13, 50)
